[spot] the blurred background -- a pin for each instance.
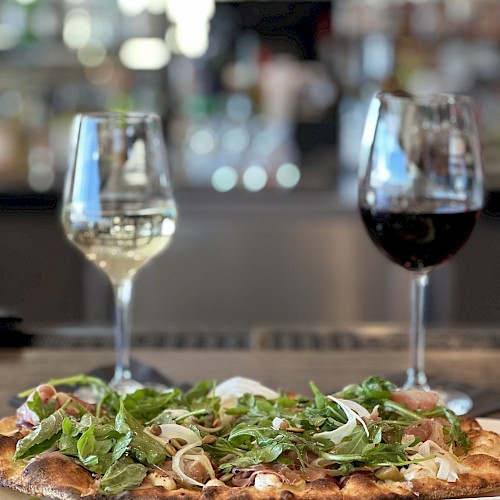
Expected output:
(263, 104)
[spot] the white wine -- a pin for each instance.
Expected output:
(118, 208)
(120, 243)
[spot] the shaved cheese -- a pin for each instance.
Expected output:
(440, 464)
(265, 481)
(155, 478)
(233, 388)
(279, 423)
(337, 435)
(176, 431)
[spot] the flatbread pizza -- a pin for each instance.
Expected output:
(240, 440)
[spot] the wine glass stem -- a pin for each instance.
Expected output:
(123, 295)
(416, 378)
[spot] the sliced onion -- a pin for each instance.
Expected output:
(345, 430)
(358, 410)
(176, 431)
(191, 452)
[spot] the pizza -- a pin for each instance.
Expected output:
(240, 440)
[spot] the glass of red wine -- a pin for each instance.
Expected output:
(420, 194)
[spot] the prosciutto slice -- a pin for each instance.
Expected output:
(415, 399)
(28, 418)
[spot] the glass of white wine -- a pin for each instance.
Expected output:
(118, 207)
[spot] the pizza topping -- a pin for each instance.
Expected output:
(156, 478)
(337, 435)
(280, 423)
(179, 432)
(229, 391)
(427, 429)
(42, 438)
(27, 414)
(389, 473)
(44, 400)
(436, 463)
(122, 475)
(192, 466)
(260, 474)
(415, 399)
(265, 481)
(241, 433)
(214, 482)
(239, 386)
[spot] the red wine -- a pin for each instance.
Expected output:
(419, 240)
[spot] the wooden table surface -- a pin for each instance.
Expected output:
(290, 370)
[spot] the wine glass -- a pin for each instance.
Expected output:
(420, 194)
(118, 207)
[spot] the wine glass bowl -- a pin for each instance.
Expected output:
(118, 207)
(420, 194)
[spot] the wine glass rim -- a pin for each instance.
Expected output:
(119, 115)
(422, 98)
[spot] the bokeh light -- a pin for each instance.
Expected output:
(92, 53)
(288, 175)
(77, 28)
(255, 178)
(224, 179)
(144, 53)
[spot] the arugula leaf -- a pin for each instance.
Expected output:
(121, 446)
(69, 438)
(256, 456)
(43, 410)
(455, 432)
(367, 450)
(199, 391)
(320, 399)
(122, 476)
(91, 440)
(97, 383)
(145, 404)
(42, 438)
(368, 393)
(222, 448)
(144, 448)
(85, 447)
(200, 396)
(244, 435)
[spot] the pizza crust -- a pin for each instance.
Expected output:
(54, 473)
(482, 441)
(10, 471)
(8, 425)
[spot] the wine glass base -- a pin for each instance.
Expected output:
(457, 401)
